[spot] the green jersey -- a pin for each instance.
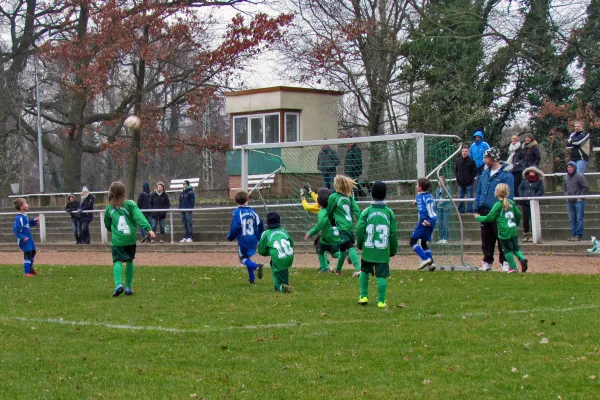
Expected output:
(507, 221)
(278, 244)
(340, 209)
(123, 223)
(377, 233)
(330, 234)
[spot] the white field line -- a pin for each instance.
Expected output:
(292, 324)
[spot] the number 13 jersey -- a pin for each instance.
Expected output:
(246, 227)
(377, 234)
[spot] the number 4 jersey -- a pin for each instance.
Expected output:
(123, 223)
(278, 244)
(377, 234)
(507, 221)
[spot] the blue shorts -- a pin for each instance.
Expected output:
(423, 232)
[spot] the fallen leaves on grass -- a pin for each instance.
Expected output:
(544, 341)
(426, 382)
(514, 369)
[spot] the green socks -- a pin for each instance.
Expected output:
(118, 272)
(519, 255)
(511, 261)
(340, 261)
(364, 284)
(323, 261)
(354, 258)
(381, 289)
(128, 273)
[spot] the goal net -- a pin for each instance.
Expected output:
(276, 173)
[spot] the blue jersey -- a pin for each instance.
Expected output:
(22, 231)
(426, 208)
(246, 227)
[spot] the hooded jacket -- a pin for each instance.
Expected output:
(532, 189)
(87, 203)
(160, 201)
(531, 154)
(486, 186)
(575, 184)
(328, 160)
(187, 198)
(478, 148)
(72, 207)
(579, 144)
(144, 199)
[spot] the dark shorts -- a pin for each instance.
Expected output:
(327, 248)
(123, 253)
(510, 245)
(379, 270)
(423, 232)
(346, 240)
(29, 255)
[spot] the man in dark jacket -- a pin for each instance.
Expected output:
(353, 167)
(485, 198)
(465, 172)
(575, 185)
(159, 200)
(187, 199)
(532, 185)
(327, 163)
(72, 208)
(579, 146)
(143, 202)
(87, 203)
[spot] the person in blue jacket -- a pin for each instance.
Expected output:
(493, 174)
(187, 199)
(477, 150)
(23, 234)
(247, 228)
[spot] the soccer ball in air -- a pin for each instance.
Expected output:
(132, 122)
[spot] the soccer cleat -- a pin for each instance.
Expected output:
(425, 263)
(485, 267)
(128, 291)
(118, 290)
(511, 271)
(286, 288)
(505, 266)
(183, 240)
(28, 275)
(252, 282)
(259, 271)
(524, 265)
(382, 304)
(356, 274)
(363, 301)
(33, 271)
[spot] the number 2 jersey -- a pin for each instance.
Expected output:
(377, 233)
(507, 221)
(246, 227)
(122, 222)
(278, 244)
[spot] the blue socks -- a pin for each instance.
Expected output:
(27, 265)
(429, 254)
(419, 250)
(251, 266)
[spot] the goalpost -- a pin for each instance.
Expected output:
(278, 172)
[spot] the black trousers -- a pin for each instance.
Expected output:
(517, 177)
(526, 216)
(489, 237)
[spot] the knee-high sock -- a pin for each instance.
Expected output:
(511, 260)
(381, 289)
(251, 267)
(118, 272)
(340, 261)
(354, 258)
(27, 266)
(128, 273)
(323, 261)
(364, 284)
(420, 252)
(336, 254)
(520, 255)
(428, 254)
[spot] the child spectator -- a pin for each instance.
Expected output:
(122, 218)
(443, 207)
(377, 236)
(425, 226)
(507, 216)
(340, 207)
(278, 244)
(72, 207)
(23, 234)
(329, 240)
(246, 227)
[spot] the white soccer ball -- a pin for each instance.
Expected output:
(132, 122)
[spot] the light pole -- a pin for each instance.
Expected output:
(39, 128)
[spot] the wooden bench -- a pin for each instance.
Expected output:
(263, 181)
(177, 184)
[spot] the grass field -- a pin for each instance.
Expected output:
(199, 332)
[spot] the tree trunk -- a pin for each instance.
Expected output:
(72, 163)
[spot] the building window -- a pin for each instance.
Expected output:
(292, 127)
(272, 128)
(240, 128)
(256, 130)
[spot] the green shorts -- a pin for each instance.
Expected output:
(510, 245)
(379, 270)
(123, 253)
(325, 248)
(346, 240)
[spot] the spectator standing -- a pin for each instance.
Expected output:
(515, 162)
(353, 167)
(579, 146)
(465, 172)
(575, 185)
(87, 204)
(530, 152)
(72, 207)
(531, 186)
(159, 200)
(327, 163)
(187, 199)
(144, 203)
(443, 206)
(485, 198)
(477, 150)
